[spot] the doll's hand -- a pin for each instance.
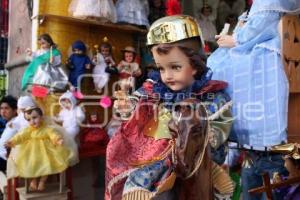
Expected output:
(226, 41)
(8, 144)
(29, 51)
(88, 66)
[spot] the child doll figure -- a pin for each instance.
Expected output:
(133, 12)
(102, 61)
(292, 164)
(78, 63)
(71, 115)
(38, 71)
(137, 158)
(42, 147)
(23, 103)
(93, 135)
(93, 9)
(128, 69)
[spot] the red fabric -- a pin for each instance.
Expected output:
(173, 7)
(4, 16)
(93, 137)
(124, 75)
(130, 145)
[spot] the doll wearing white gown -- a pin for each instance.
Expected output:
(93, 9)
(70, 115)
(133, 12)
(102, 60)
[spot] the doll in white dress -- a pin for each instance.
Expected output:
(93, 9)
(71, 115)
(102, 61)
(133, 12)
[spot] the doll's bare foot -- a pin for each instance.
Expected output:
(33, 185)
(42, 182)
(99, 90)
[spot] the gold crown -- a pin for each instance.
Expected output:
(172, 29)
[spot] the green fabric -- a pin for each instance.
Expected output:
(223, 126)
(238, 189)
(33, 66)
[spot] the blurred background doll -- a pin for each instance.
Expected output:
(93, 135)
(103, 61)
(41, 146)
(157, 10)
(38, 71)
(133, 12)
(93, 9)
(71, 115)
(78, 63)
(292, 164)
(128, 69)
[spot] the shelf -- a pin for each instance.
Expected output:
(108, 25)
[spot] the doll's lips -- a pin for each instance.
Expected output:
(171, 83)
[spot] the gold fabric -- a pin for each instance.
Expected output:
(158, 128)
(172, 29)
(291, 149)
(39, 154)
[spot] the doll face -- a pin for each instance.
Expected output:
(34, 119)
(77, 51)
(128, 56)
(44, 44)
(175, 68)
(66, 103)
(93, 117)
(105, 51)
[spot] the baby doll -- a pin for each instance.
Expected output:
(37, 71)
(42, 147)
(71, 115)
(138, 154)
(93, 135)
(93, 9)
(128, 69)
(78, 63)
(292, 165)
(102, 61)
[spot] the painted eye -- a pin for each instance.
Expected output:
(176, 67)
(161, 69)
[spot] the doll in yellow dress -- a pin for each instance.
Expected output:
(41, 151)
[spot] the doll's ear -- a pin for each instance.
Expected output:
(194, 72)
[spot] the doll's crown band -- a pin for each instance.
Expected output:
(291, 150)
(172, 29)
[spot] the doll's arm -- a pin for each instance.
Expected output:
(56, 60)
(136, 71)
(55, 137)
(80, 115)
(19, 138)
(258, 28)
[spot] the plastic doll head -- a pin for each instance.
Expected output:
(206, 10)
(129, 54)
(93, 117)
(45, 41)
(78, 47)
(66, 103)
(177, 51)
(34, 116)
(8, 107)
(105, 49)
